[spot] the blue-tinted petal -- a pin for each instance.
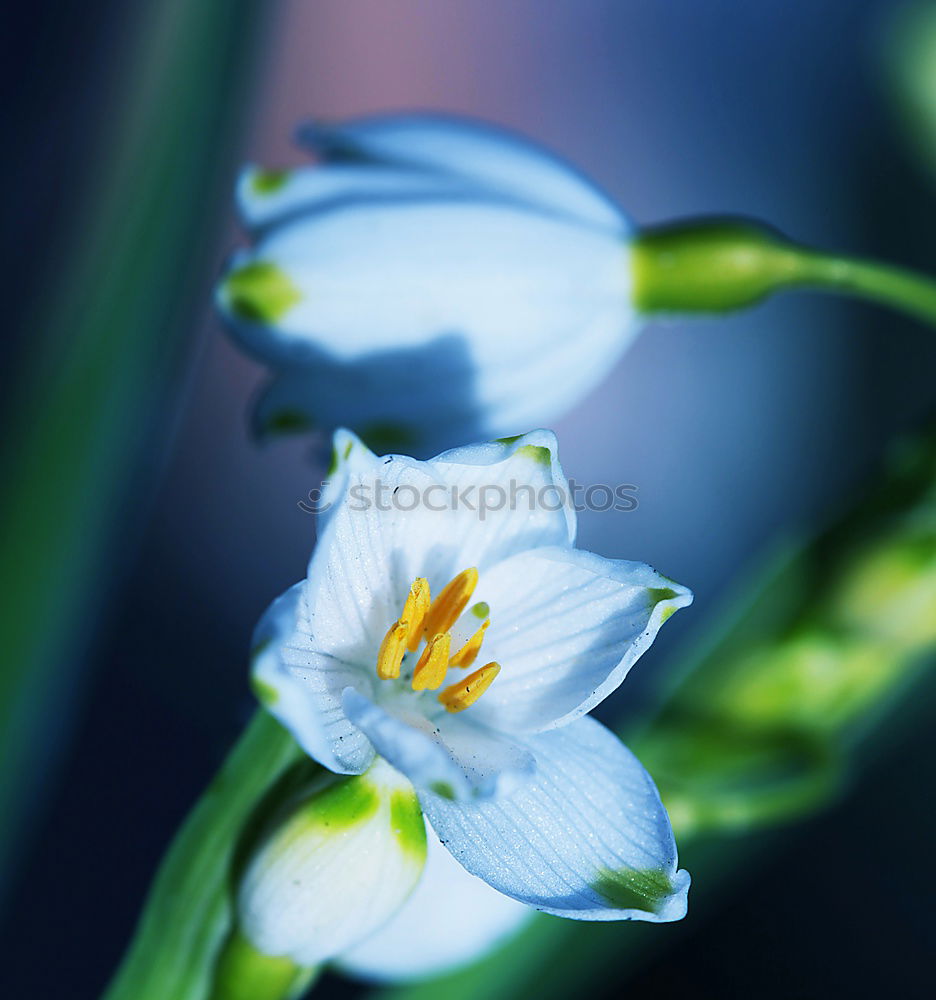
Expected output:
(301, 190)
(492, 157)
(587, 838)
(302, 686)
(566, 627)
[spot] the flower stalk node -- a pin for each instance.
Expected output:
(719, 265)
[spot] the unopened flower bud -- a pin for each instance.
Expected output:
(339, 866)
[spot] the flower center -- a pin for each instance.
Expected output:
(428, 621)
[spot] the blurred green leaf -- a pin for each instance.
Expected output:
(107, 340)
(910, 70)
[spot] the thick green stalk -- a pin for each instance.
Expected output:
(243, 973)
(719, 265)
(188, 915)
(105, 342)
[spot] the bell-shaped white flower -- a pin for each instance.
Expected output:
(431, 280)
(466, 651)
(335, 868)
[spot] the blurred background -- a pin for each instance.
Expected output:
(738, 431)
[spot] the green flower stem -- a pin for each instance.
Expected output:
(719, 265)
(243, 973)
(759, 725)
(185, 928)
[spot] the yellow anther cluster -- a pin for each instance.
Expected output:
(431, 621)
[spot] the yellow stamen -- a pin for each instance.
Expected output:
(451, 602)
(390, 655)
(430, 670)
(414, 611)
(460, 696)
(469, 652)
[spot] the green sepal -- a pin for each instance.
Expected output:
(709, 265)
(722, 264)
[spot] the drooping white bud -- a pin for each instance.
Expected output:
(337, 868)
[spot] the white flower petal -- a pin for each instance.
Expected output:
(501, 281)
(450, 756)
(267, 197)
(451, 919)
(492, 157)
(566, 627)
(335, 869)
(302, 688)
(587, 838)
(367, 557)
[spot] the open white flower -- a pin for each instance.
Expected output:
(430, 281)
(466, 652)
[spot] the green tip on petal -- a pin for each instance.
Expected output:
(407, 822)
(337, 458)
(481, 610)
(634, 889)
(443, 789)
(266, 694)
(344, 805)
(536, 453)
(659, 594)
(268, 181)
(260, 292)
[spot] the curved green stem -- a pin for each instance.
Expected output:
(718, 265)
(902, 290)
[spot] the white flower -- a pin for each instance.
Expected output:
(431, 281)
(335, 868)
(542, 803)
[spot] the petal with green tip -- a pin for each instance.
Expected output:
(587, 839)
